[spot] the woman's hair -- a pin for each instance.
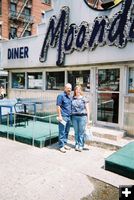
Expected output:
(78, 87)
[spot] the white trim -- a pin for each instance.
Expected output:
(44, 81)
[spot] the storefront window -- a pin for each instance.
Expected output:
(18, 80)
(108, 79)
(80, 78)
(55, 80)
(131, 81)
(34, 80)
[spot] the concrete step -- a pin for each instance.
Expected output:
(106, 138)
(108, 133)
(107, 143)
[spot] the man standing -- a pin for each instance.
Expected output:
(64, 112)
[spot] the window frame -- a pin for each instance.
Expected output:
(10, 33)
(80, 79)
(53, 81)
(12, 82)
(32, 73)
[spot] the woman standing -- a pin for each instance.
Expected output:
(80, 117)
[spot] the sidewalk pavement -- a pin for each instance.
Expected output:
(30, 173)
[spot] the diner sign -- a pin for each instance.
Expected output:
(116, 31)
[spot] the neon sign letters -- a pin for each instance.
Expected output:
(116, 31)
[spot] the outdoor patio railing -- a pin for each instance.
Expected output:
(33, 126)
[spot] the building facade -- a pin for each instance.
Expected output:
(19, 18)
(80, 45)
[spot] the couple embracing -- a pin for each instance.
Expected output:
(72, 108)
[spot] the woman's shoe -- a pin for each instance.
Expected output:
(76, 148)
(67, 147)
(62, 150)
(80, 149)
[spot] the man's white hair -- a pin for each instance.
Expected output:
(68, 85)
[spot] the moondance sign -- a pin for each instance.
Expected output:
(116, 31)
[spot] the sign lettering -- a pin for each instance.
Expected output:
(116, 31)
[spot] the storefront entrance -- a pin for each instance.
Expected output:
(107, 94)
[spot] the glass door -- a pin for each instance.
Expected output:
(108, 95)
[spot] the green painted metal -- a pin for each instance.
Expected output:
(122, 161)
(37, 132)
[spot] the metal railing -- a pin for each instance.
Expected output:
(24, 17)
(11, 127)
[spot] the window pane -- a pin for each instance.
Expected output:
(27, 33)
(47, 1)
(13, 33)
(108, 79)
(80, 77)
(27, 11)
(34, 80)
(108, 107)
(55, 81)
(18, 80)
(131, 81)
(13, 9)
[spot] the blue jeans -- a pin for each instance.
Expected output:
(64, 131)
(79, 124)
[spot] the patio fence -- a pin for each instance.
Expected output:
(38, 130)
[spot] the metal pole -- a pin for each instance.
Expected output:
(33, 131)
(7, 125)
(14, 125)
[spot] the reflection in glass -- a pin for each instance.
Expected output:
(18, 80)
(80, 78)
(108, 107)
(55, 80)
(131, 80)
(108, 95)
(34, 80)
(108, 79)
(102, 4)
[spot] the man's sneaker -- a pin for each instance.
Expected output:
(67, 147)
(76, 148)
(80, 149)
(62, 149)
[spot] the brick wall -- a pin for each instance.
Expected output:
(36, 12)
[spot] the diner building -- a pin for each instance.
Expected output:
(79, 43)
